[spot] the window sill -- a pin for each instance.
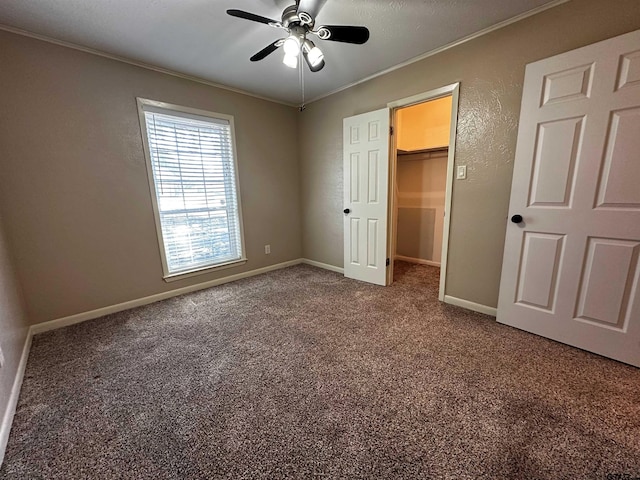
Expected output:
(201, 271)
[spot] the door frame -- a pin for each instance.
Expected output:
(452, 90)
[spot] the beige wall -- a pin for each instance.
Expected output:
(75, 195)
(426, 125)
(491, 71)
(13, 326)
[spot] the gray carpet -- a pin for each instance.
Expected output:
(301, 373)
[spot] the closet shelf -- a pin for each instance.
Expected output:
(423, 154)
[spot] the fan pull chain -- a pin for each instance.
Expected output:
(301, 77)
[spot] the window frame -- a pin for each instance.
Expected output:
(143, 103)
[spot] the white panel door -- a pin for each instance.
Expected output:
(366, 177)
(571, 270)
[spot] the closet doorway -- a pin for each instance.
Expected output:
(422, 174)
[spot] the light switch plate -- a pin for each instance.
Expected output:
(461, 172)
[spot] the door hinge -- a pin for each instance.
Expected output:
(387, 262)
(391, 130)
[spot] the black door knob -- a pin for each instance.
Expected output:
(516, 219)
(346, 210)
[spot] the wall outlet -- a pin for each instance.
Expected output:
(267, 249)
(461, 172)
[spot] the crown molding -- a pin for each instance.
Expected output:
(203, 81)
(448, 46)
(148, 66)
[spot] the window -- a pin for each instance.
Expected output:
(192, 172)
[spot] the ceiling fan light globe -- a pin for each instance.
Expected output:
(291, 46)
(290, 61)
(315, 56)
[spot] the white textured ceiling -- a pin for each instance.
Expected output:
(198, 38)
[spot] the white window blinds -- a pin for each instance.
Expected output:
(194, 178)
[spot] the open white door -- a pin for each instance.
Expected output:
(570, 270)
(366, 173)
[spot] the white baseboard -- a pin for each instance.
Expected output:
(7, 419)
(326, 266)
(419, 261)
(476, 307)
(101, 312)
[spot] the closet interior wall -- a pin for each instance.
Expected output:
(423, 137)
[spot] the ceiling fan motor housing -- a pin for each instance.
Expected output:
(291, 17)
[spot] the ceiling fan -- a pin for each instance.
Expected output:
(299, 25)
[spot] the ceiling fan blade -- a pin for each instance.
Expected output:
(312, 7)
(268, 50)
(250, 16)
(344, 33)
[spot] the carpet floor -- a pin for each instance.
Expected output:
(301, 373)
